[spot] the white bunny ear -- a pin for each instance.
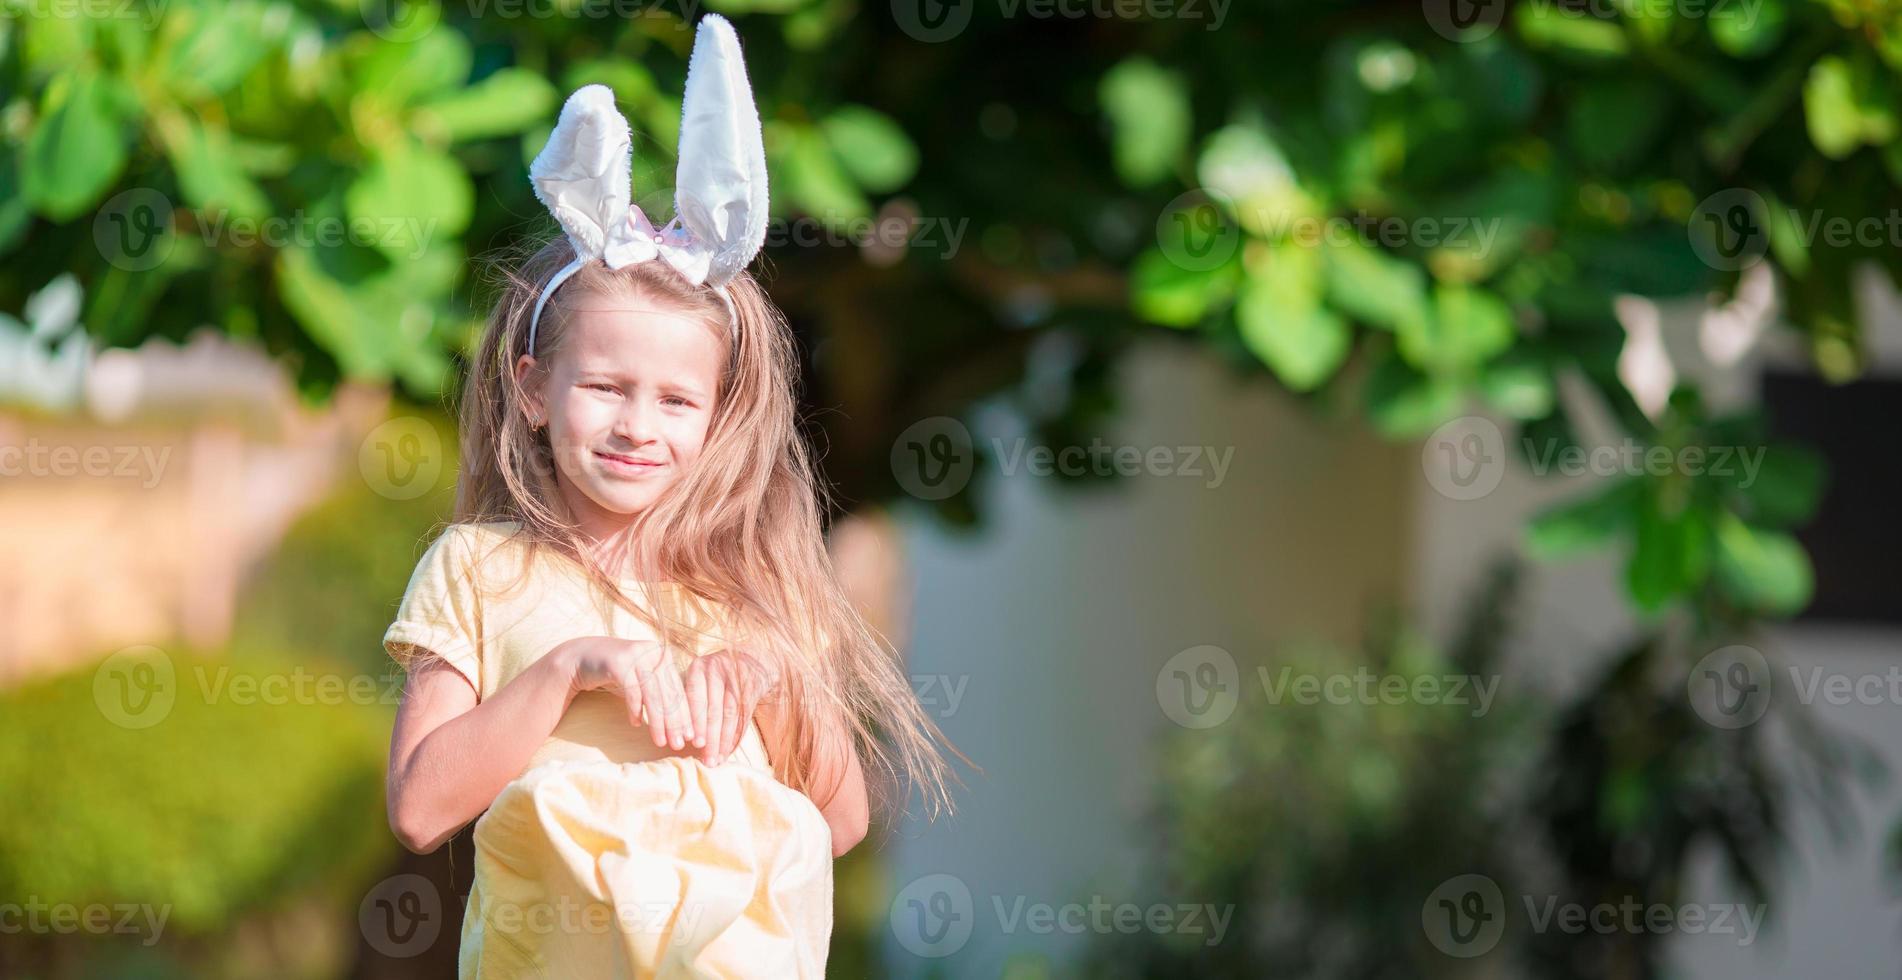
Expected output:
(720, 187)
(582, 173)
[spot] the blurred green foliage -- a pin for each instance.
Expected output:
(319, 174)
(208, 816)
(1334, 827)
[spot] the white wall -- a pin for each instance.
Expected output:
(1062, 611)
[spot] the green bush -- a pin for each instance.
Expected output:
(220, 808)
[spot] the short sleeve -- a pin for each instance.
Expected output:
(440, 613)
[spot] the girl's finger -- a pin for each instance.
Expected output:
(708, 726)
(630, 690)
(736, 720)
(655, 703)
(679, 719)
(697, 702)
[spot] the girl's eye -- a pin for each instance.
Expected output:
(598, 386)
(676, 400)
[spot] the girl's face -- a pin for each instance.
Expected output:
(627, 400)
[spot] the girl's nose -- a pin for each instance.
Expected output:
(635, 423)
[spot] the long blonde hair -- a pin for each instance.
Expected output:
(742, 527)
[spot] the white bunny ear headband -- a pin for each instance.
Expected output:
(719, 219)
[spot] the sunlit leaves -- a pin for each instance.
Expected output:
(871, 147)
(79, 146)
(1847, 104)
(1148, 110)
(1761, 569)
(1170, 293)
(508, 101)
(1378, 289)
(1284, 323)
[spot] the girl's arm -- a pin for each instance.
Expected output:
(838, 782)
(450, 756)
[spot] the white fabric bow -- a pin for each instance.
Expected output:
(719, 225)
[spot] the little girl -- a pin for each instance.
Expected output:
(630, 648)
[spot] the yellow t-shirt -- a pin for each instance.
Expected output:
(609, 855)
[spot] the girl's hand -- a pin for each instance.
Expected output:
(644, 675)
(723, 689)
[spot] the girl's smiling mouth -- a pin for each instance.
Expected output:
(630, 465)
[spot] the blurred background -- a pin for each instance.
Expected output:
(1380, 489)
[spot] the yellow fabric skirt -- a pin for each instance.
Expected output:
(668, 868)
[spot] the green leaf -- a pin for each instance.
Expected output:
(15, 214)
(410, 195)
(1544, 24)
(364, 348)
(1782, 487)
(1846, 105)
(1374, 287)
(1761, 569)
(1283, 323)
(1468, 326)
(1672, 555)
(1164, 291)
(810, 174)
(1520, 388)
(1650, 22)
(1499, 216)
(509, 101)
(211, 48)
(1594, 520)
(1148, 110)
(1402, 403)
(402, 73)
(209, 174)
(76, 152)
(1613, 121)
(1747, 31)
(871, 147)
(1243, 167)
